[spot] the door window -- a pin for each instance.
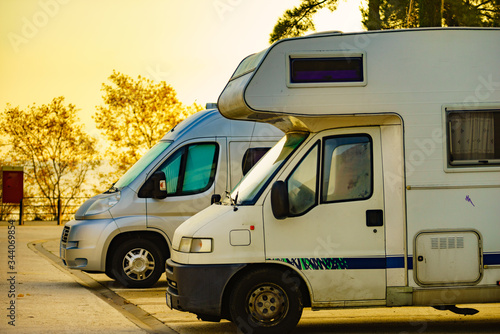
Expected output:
(200, 167)
(302, 184)
(347, 169)
(172, 170)
(191, 169)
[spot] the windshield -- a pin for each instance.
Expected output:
(251, 186)
(141, 164)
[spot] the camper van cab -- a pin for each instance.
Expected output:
(384, 191)
(126, 232)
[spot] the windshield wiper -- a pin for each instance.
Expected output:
(112, 189)
(233, 201)
(236, 201)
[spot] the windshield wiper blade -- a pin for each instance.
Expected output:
(236, 201)
(112, 189)
(233, 201)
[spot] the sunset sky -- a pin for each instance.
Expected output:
(68, 48)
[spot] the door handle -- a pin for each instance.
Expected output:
(374, 218)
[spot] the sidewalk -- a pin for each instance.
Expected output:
(44, 299)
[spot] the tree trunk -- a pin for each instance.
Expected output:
(430, 13)
(373, 15)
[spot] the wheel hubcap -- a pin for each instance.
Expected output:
(268, 304)
(138, 264)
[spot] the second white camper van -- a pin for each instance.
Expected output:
(126, 232)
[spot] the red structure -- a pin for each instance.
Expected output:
(12, 184)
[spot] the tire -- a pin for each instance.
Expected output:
(137, 263)
(266, 301)
(109, 273)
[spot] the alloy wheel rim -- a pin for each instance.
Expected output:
(138, 264)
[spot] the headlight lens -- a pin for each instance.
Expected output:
(195, 245)
(103, 204)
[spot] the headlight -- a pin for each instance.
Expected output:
(195, 245)
(103, 204)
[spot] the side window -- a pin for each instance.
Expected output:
(347, 169)
(172, 170)
(251, 156)
(473, 137)
(302, 184)
(191, 169)
(200, 168)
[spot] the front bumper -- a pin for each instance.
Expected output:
(81, 245)
(198, 288)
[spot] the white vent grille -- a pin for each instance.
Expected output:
(447, 243)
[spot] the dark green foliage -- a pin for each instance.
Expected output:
(395, 14)
(298, 20)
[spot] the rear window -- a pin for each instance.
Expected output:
(252, 155)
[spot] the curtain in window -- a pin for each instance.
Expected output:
(472, 135)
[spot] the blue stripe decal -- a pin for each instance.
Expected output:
(491, 259)
(335, 263)
(390, 262)
(395, 262)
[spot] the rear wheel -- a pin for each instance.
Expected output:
(137, 263)
(266, 301)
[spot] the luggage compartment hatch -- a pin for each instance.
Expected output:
(448, 258)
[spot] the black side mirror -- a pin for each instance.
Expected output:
(159, 185)
(154, 187)
(279, 200)
(215, 199)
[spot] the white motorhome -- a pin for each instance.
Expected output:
(384, 191)
(126, 232)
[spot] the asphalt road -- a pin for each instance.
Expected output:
(49, 298)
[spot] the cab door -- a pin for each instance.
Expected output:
(334, 230)
(194, 172)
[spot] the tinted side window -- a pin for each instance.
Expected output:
(191, 169)
(200, 168)
(252, 155)
(347, 169)
(172, 171)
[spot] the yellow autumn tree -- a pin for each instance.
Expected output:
(135, 115)
(53, 147)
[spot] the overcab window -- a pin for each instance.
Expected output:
(330, 69)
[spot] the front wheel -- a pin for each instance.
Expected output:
(266, 301)
(137, 263)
